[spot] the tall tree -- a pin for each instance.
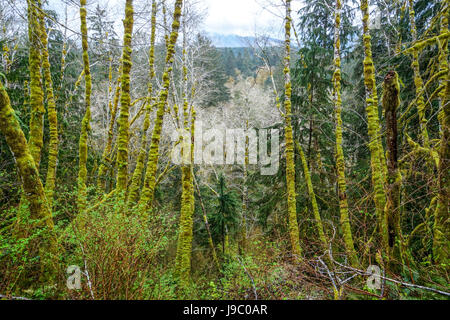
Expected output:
(36, 138)
(40, 213)
(375, 146)
(52, 114)
(135, 186)
(289, 140)
(441, 218)
(391, 102)
(125, 100)
(340, 160)
(85, 124)
(148, 190)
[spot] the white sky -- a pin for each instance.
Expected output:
(244, 17)
(240, 17)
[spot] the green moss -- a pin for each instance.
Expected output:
(146, 201)
(85, 124)
(441, 232)
(312, 197)
(52, 114)
(33, 191)
(391, 102)
(134, 192)
(36, 137)
(125, 101)
(378, 164)
(340, 161)
(290, 165)
(106, 156)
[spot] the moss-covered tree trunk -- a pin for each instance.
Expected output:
(245, 195)
(207, 226)
(441, 239)
(391, 102)
(135, 186)
(418, 79)
(36, 136)
(125, 101)
(375, 146)
(312, 197)
(184, 248)
(340, 160)
(146, 201)
(289, 140)
(85, 123)
(106, 156)
(52, 115)
(40, 222)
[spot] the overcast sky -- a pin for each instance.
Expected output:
(243, 17)
(240, 17)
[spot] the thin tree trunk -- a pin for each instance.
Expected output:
(208, 229)
(289, 140)
(36, 137)
(441, 238)
(106, 156)
(135, 186)
(312, 196)
(418, 79)
(148, 191)
(85, 124)
(340, 160)
(52, 115)
(184, 248)
(391, 102)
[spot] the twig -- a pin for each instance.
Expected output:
(248, 274)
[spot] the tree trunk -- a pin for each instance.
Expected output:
(340, 160)
(289, 140)
(391, 102)
(148, 191)
(85, 124)
(125, 101)
(441, 238)
(375, 146)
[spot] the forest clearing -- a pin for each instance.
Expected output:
(148, 152)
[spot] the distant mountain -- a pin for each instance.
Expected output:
(235, 41)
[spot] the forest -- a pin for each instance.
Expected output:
(138, 161)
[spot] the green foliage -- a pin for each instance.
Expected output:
(224, 220)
